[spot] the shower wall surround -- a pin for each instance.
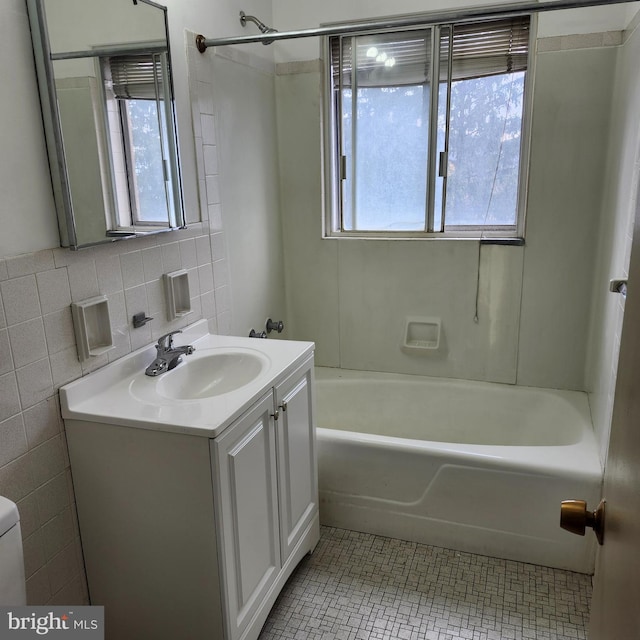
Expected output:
(548, 317)
(571, 121)
(615, 234)
(352, 297)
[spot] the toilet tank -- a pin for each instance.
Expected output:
(12, 584)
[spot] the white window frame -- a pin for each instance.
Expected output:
(152, 85)
(331, 170)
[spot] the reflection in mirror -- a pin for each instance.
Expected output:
(106, 92)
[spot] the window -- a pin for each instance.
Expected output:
(138, 119)
(410, 157)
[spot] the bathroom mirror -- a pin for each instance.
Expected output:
(104, 76)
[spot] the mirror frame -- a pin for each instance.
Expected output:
(54, 139)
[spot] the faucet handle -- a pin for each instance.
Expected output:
(276, 325)
(166, 341)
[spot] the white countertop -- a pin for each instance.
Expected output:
(112, 394)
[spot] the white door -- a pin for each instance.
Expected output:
(615, 607)
(244, 460)
(297, 474)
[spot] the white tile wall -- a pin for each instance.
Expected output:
(38, 355)
(351, 297)
(213, 248)
(20, 299)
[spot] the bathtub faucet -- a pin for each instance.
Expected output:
(168, 356)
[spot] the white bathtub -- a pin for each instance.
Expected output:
(472, 466)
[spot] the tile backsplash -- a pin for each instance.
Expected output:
(38, 355)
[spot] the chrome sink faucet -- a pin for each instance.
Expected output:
(168, 356)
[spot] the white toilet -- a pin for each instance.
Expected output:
(12, 584)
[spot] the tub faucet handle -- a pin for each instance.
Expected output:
(274, 325)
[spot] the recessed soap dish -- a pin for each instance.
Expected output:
(92, 326)
(421, 334)
(176, 291)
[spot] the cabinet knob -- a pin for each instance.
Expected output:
(275, 415)
(283, 406)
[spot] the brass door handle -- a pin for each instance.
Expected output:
(575, 517)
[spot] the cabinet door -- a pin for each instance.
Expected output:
(244, 459)
(297, 475)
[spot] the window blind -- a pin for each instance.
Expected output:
(404, 57)
(136, 76)
(490, 48)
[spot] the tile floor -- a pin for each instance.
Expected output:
(358, 586)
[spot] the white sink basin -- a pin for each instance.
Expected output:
(205, 374)
(203, 395)
(211, 375)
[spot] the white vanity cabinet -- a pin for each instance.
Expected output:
(266, 495)
(297, 474)
(191, 536)
(244, 460)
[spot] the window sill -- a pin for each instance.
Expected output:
(439, 237)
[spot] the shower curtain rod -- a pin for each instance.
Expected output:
(470, 14)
